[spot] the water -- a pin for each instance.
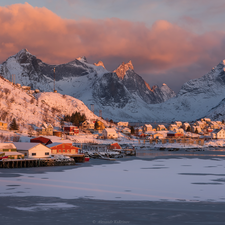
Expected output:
(144, 178)
(152, 188)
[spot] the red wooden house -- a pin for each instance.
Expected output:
(71, 130)
(115, 146)
(63, 148)
(42, 140)
(174, 135)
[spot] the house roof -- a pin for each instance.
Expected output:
(160, 125)
(110, 130)
(116, 145)
(26, 145)
(217, 131)
(11, 153)
(7, 146)
(45, 125)
(59, 143)
(41, 139)
(148, 125)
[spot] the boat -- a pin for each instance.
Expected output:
(86, 159)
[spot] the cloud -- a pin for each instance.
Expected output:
(162, 47)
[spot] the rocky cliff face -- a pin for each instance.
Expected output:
(92, 84)
(137, 86)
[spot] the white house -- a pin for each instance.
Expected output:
(218, 133)
(194, 128)
(126, 130)
(185, 126)
(201, 124)
(214, 125)
(147, 127)
(33, 150)
(160, 127)
(173, 127)
(123, 124)
(109, 133)
(178, 123)
(207, 120)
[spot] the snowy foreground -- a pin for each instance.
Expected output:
(181, 179)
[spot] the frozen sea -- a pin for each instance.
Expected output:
(110, 191)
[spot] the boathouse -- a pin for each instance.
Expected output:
(63, 148)
(33, 150)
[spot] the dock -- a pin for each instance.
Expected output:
(23, 163)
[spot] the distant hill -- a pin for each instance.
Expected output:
(35, 109)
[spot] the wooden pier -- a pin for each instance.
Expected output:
(23, 163)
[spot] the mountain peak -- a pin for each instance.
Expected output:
(23, 56)
(122, 69)
(99, 63)
(82, 59)
(22, 52)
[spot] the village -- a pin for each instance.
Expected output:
(49, 146)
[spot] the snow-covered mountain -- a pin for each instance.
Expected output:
(122, 94)
(202, 97)
(35, 109)
(119, 94)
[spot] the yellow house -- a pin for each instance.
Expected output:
(46, 129)
(157, 136)
(99, 125)
(9, 149)
(3, 125)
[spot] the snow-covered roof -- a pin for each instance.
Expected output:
(148, 125)
(213, 123)
(216, 131)
(126, 128)
(25, 145)
(45, 125)
(110, 130)
(11, 153)
(160, 125)
(7, 146)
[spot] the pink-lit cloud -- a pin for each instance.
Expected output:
(55, 40)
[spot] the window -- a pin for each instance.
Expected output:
(68, 150)
(64, 150)
(59, 150)
(46, 153)
(33, 154)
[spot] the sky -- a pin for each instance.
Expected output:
(168, 41)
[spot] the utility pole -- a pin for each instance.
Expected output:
(13, 78)
(54, 80)
(92, 108)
